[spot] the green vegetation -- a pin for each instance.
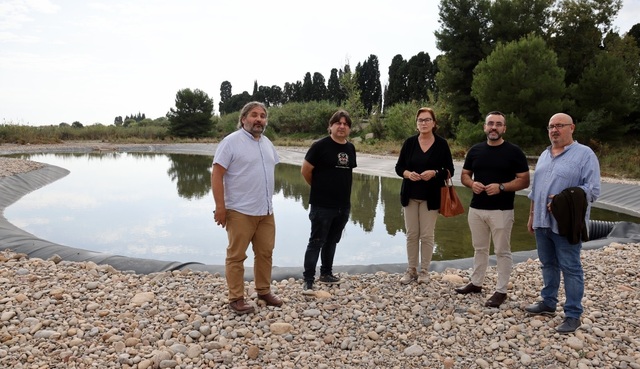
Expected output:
(192, 114)
(298, 124)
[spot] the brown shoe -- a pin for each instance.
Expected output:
(409, 276)
(496, 300)
(470, 288)
(241, 307)
(271, 299)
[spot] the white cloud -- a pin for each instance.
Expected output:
(42, 6)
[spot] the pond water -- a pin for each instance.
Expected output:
(159, 206)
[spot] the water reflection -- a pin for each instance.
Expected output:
(126, 204)
(191, 174)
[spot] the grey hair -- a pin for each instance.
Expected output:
(247, 108)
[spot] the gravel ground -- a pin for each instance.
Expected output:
(57, 314)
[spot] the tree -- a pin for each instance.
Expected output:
(513, 19)
(236, 102)
(225, 96)
(463, 39)
(307, 88)
(335, 92)
(522, 78)
(319, 89)
(118, 121)
(420, 78)
(368, 77)
(272, 95)
(353, 101)
(289, 93)
(292, 92)
(397, 88)
(635, 33)
(192, 114)
(604, 90)
(259, 93)
(577, 32)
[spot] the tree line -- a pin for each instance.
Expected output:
(526, 58)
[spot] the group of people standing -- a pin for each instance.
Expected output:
(565, 184)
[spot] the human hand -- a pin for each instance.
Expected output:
(427, 175)
(530, 224)
(220, 217)
(492, 189)
(478, 187)
(413, 176)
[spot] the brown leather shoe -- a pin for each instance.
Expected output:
(470, 288)
(241, 307)
(496, 300)
(271, 299)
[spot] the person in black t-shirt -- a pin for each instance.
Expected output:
(327, 168)
(494, 170)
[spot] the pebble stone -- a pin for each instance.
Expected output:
(82, 315)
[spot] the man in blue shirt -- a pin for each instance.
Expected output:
(242, 181)
(564, 164)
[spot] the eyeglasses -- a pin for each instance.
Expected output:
(551, 127)
(495, 124)
(424, 120)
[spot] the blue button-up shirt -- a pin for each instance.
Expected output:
(576, 166)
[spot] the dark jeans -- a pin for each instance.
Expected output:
(327, 225)
(560, 258)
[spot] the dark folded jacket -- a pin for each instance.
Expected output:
(569, 207)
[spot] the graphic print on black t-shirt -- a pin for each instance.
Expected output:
(343, 160)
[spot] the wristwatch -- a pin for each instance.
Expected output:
(501, 187)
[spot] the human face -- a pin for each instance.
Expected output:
(340, 130)
(255, 122)
(562, 132)
(425, 122)
(494, 127)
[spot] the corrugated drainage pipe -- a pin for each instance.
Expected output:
(600, 228)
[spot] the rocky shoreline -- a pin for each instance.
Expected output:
(60, 314)
(56, 314)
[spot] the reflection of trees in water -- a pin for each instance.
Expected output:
(192, 174)
(290, 182)
(390, 194)
(97, 155)
(364, 194)
(364, 200)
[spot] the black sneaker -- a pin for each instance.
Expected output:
(569, 325)
(307, 288)
(329, 279)
(539, 308)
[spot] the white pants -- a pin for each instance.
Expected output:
(487, 225)
(420, 223)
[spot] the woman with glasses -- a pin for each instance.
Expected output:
(424, 161)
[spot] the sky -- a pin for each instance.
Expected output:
(90, 61)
